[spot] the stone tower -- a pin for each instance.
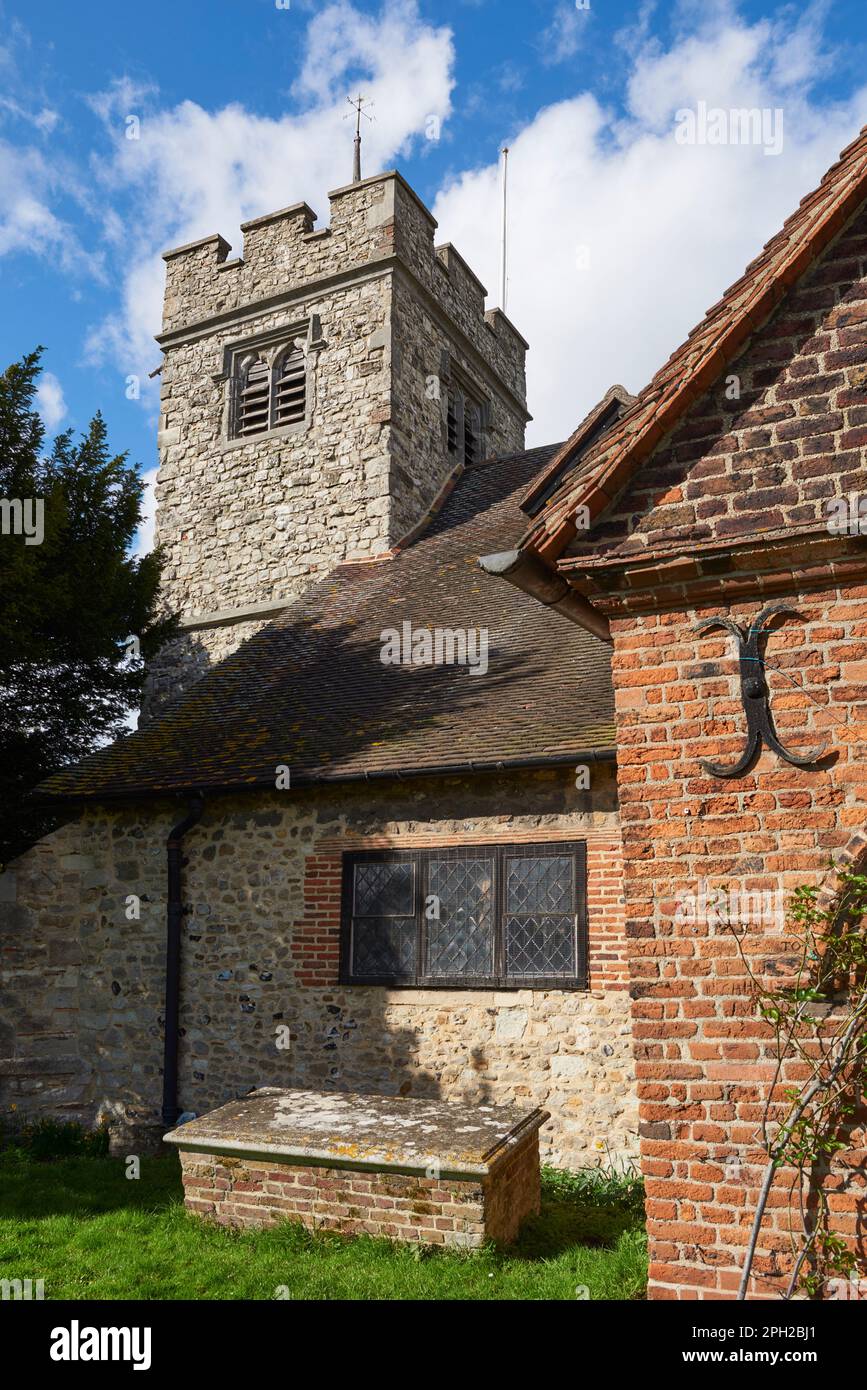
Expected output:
(317, 393)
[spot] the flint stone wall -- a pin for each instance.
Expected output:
(381, 314)
(259, 955)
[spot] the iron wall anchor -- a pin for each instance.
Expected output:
(754, 694)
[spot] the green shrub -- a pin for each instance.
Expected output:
(46, 1139)
(604, 1186)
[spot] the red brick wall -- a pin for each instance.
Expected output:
(767, 455)
(703, 1059)
(398, 1206)
(316, 937)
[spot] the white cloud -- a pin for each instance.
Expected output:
(34, 184)
(620, 238)
(50, 402)
(566, 33)
(27, 222)
(37, 185)
(143, 541)
(193, 172)
(44, 119)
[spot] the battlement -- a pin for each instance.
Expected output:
(375, 224)
(401, 375)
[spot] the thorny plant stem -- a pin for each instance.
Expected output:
(819, 1083)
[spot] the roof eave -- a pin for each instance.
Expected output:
(554, 529)
(529, 763)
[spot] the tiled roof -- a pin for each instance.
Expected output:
(710, 347)
(310, 691)
(568, 459)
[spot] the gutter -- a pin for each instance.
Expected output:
(526, 572)
(174, 915)
(322, 778)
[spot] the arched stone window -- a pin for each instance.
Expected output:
(289, 387)
(253, 404)
(270, 391)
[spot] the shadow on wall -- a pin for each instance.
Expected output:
(309, 688)
(179, 664)
(241, 1031)
(250, 1019)
(385, 1059)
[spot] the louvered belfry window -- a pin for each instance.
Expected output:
(497, 916)
(471, 434)
(451, 424)
(253, 399)
(464, 427)
(269, 396)
(289, 388)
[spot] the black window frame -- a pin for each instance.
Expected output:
(499, 852)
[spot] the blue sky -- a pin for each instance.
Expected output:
(620, 237)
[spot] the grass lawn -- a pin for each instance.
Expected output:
(89, 1232)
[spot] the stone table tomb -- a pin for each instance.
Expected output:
(418, 1170)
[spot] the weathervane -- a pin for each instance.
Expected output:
(358, 105)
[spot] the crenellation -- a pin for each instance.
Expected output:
(189, 274)
(465, 283)
(388, 327)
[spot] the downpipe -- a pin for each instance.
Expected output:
(174, 917)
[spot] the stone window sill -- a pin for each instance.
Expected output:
(284, 432)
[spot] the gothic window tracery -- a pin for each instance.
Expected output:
(270, 391)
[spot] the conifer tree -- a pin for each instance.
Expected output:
(71, 597)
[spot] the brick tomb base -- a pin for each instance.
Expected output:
(415, 1170)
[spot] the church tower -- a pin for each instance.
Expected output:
(317, 393)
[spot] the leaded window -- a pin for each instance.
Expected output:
(488, 915)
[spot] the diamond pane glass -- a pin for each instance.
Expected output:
(540, 946)
(539, 884)
(383, 889)
(384, 946)
(460, 939)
